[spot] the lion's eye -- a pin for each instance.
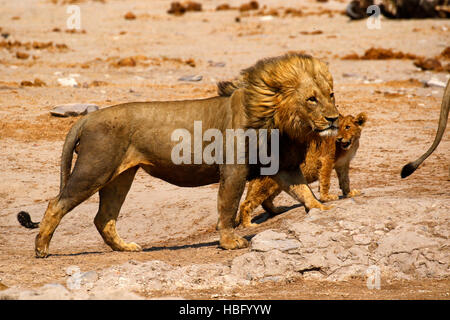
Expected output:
(347, 127)
(312, 99)
(332, 95)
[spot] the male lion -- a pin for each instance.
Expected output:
(321, 156)
(292, 93)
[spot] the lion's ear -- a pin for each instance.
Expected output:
(361, 119)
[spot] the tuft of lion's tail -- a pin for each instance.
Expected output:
(71, 141)
(409, 168)
(25, 220)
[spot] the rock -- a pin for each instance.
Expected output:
(270, 240)
(89, 277)
(434, 82)
(428, 64)
(73, 109)
(191, 78)
(216, 64)
(277, 263)
(129, 16)
(22, 55)
(252, 5)
(361, 239)
(68, 82)
(401, 240)
(126, 62)
(223, 7)
(178, 9)
(249, 266)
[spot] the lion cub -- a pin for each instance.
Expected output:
(322, 156)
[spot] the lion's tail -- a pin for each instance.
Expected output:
(412, 166)
(226, 88)
(25, 220)
(66, 164)
(72, 139)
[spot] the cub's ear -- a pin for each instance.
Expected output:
(361, 119)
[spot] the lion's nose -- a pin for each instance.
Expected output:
(339, 139)
(331, 119)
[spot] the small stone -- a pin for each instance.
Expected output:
(216, 64)
(361, 239)
(434, 82)
(73, 109)
(191, 78)
(22, 55)
(126, 62)
(68, 82)
(129, 16)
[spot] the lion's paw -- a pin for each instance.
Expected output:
(328, 197)
(353, 193)
(229, 240)
(134, 247)
(249, 225)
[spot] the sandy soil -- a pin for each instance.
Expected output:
(177, 225)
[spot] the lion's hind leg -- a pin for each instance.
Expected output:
(268, 205)
(112, 197)
(74, 193)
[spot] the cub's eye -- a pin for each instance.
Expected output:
(347, 127)
(312, 99)
(332, 95)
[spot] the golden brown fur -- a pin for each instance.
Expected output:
(322, 155)
(292, 93)
(272, 94)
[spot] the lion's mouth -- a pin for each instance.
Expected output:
(346, 145)
(327, 132)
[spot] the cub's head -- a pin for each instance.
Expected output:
(292, 93)
(350, 128)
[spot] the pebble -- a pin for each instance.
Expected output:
(191, 78)
(73, 109)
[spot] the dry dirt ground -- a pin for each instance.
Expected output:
(177, 225)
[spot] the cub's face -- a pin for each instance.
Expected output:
(350, 130)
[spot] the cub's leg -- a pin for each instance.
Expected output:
(231, 187)
(324, 179)
(293, 183)
(268, 205)
(344, 181)
(112, 197)
(258, 191)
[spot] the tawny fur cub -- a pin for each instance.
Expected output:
(322, 155)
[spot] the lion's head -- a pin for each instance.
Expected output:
(350, 130)
(292, 93)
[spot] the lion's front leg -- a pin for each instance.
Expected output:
(324, 180)
(232, 184)
(294, 183)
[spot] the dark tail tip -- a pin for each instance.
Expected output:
(407, 170)
(25, 220)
